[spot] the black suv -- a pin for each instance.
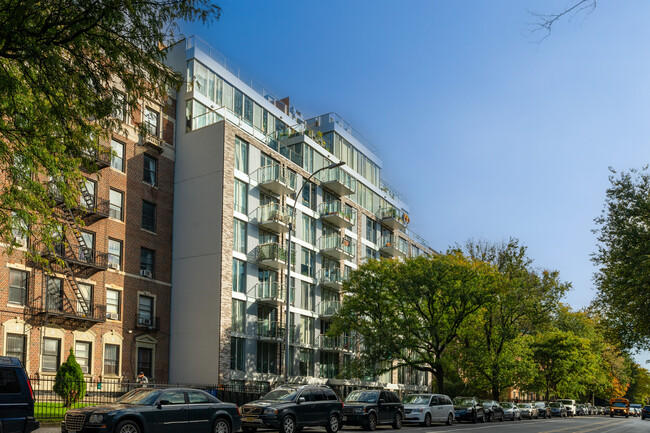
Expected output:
(367, 408)
(493, 410)
(16, 398)
(289, 408)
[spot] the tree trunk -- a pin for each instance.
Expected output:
(440, 379)
(496, 392)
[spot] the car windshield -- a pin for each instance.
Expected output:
(282, 394)
(507, 405)
(556, 404)
(525, 405)
(540, 404)
(416, 399)
(139, 396)
(619, 404)
(363, 396)
(567, 402)
(486, 403)
(463, 401)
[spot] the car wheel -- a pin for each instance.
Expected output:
(427, 420)
(372, 422)
(249, 429)
(487, 418)
(475, 418)
(450, 419)
(333, 425)
(503, 417)
(127, 427)
(397, 422)
(288, 425)
(221, 426)
(483, 418)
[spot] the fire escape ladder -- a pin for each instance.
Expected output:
(72, 225)
(83, 302)
(89, 200)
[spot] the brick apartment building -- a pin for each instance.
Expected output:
(110, 302)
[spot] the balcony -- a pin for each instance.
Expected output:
(338, 181)
(327, 309)
(337, 214)
(99, 209)
(337, 247)
(99, 156)
(276, 179)
(273, 217)
(393, 218)
(341, 343)
(83, 261)
(146, 321)
(152, 141)
(273, 256)
(331, 279)
(269, 329)
(268, 292)
(391, 245)
(59, 310)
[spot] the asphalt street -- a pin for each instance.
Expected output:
(593, 424)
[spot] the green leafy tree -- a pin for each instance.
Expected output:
(69, 383)
(411, 312)
(639, 390)
(623, 259)
(66, 67)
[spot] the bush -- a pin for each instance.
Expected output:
(69, 383)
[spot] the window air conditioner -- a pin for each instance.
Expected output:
(112, 316)
(145, 321)
(114, 266)
(146, 273)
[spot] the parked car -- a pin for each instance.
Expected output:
(16, 397)
(468, 409)
(606, 410)
(369, 408)
(637, 409)
(581, 409)
(592, 409)
(543, 408)
(570, 406)
(529, 410)
(493, 411)
(558, 409)
(645, 412)
(425, 408)
(146, 410)
(289, 408)
(511, 410)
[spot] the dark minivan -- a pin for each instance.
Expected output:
(16, 398)
(369, 408)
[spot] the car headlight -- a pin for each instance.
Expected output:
(269, 411)
(358, 410)
(419, 410)
(96, 418)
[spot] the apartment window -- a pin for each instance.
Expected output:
(307, 262)
(241, 155)
(114, 254)
(241, 196)
(152, 121)
(15, 346)
(239, 236)
(147, 259)
(305, 362)
(145, 358)
(371, 230)
(148, 216)
(329, 365)
(82, 353)
(309, 195)
(306, 330)
(267, 357)
(307, 296)
(237, 353)
(87, 252)
(112, 359)
(238, 316)
(86, 291)
(308, 229)
(113, 304)
(145, 310)
(51, 354)
(54, 297)
(150, 171)
(18, 286)
(19, 230)
(117, 155)
(238, 276)
(116, 205)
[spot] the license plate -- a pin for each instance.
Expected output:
(345, 418)
(248, 419)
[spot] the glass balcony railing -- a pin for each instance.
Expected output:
(268, 290)
(339, 180)
(330, 278)
(392, 245)
(277, 178)
(393, 217)
(269, 329)
(328, 308)
(337, 213)
(274, 216)
(337, 245)
(274, 253)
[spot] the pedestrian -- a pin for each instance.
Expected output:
(142, 379)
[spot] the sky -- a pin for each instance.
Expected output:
(490, 132)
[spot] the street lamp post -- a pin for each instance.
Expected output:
(287, 341)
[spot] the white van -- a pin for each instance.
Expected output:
(570, 406)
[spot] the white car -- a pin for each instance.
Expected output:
(511, 411)
(570, 406)
(428, 408)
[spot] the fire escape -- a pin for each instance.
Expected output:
(66, 301)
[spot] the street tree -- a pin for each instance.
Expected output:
(69, 383)
(410, 312)
(66, 69)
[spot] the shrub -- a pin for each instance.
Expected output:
(69, 383)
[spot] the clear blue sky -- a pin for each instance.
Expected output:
(488, 133)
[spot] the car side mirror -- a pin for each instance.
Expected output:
(301, 399)
(163, 403)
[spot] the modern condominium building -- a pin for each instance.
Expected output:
(240, 161)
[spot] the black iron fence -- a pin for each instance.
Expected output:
(49, 407)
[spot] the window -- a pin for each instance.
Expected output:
(15, 346)
(145, 311)
(120, 107)
(117, 155)
(308, 229)
(239, 236)
(305, 362)
(197, 397)
(148, 216)
(54, 296)
(18, 286)
(306, 330)
(116, 206)
(112, 359)
(329, 365)
(371, 230)
(86, 291)
(174, 397)
(307, 296)
(309, 195)
(307, 262)
(19, 230)
(150, 171)
(237, 353)
(241, 196)
(147, 258)
(238, 276)
(151, 121)
(145, 358)
(113, 304)
(267, 357)
(241, 155)
(87, 252)
(9, 385)
(51, 354)
(82, 353)
(87, 196)
(114, 254)
(238, 316)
